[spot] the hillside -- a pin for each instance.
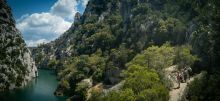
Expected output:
(16, 64)
(133, 40)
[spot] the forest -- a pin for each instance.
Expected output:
(131, 42)
(122, 50)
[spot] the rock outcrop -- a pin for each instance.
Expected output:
(16, 64)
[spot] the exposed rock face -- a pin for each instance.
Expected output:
(77, 17)
(16, 65)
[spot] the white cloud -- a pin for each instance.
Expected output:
(42, 26)
(47, 26)
(62, 8)
(43, 23)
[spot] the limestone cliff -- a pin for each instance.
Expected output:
(16, 64)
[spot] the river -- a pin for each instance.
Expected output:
(39, 89)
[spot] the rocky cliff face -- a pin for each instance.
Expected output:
(16, 65)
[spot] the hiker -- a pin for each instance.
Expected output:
(185, 75)
(178, 79)
(182, 76)
(187, 71)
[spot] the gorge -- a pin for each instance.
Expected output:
(118, 50)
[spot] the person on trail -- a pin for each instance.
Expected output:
(185, 76)
(182, 76)
(178, 79)
(187, 71)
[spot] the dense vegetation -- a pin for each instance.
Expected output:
(205, 89)
(144, 78)
(126, 40)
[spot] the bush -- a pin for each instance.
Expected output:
(145, 84)
(183, 56)
(155, 57)
(124, 95)
(205, 88)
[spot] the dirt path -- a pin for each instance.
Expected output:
(176, 94)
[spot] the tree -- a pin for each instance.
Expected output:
(145, 84)
(52, 63)
(183, 56)
(123, 95)
(81, 89)
(155, 57)
(140, 9)
(205, 88)
(102, 39)
(120, 56)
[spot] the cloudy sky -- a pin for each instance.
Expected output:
(42, 21)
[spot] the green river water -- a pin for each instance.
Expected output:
(39, 89)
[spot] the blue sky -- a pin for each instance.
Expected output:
(42, 21)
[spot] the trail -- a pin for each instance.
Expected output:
(176, 94)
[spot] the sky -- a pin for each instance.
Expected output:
(42, 21)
